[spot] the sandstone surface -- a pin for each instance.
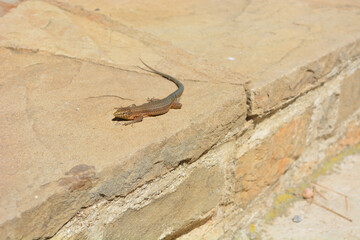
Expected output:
(271, 88)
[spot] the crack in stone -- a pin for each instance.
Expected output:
(81, 60)
(145, 38)
(196, 223)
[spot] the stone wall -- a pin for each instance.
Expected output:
(258, 116)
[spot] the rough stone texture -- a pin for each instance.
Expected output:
(46, 139)
(308, 116)
(271, 90)
(349, 103)
(241, 37)
(173, 214)
(69, 30)
(278, 147)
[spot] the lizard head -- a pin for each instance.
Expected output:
(124, 113)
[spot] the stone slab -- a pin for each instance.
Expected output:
(60, 149)
(166, 217)
(283, 48)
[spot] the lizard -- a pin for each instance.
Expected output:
(153, 107)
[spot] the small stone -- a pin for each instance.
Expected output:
(308, 193)
(297, 219)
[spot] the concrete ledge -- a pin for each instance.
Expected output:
(269, 89)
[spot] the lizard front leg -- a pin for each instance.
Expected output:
(136, 120)
(152, 99)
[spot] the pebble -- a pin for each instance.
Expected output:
(297, 219)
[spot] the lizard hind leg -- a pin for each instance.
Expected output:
(176, 105)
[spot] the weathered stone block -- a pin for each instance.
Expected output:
(263, 164)
(173, 214)
(350, 96)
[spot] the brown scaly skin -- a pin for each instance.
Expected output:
(153, 107)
